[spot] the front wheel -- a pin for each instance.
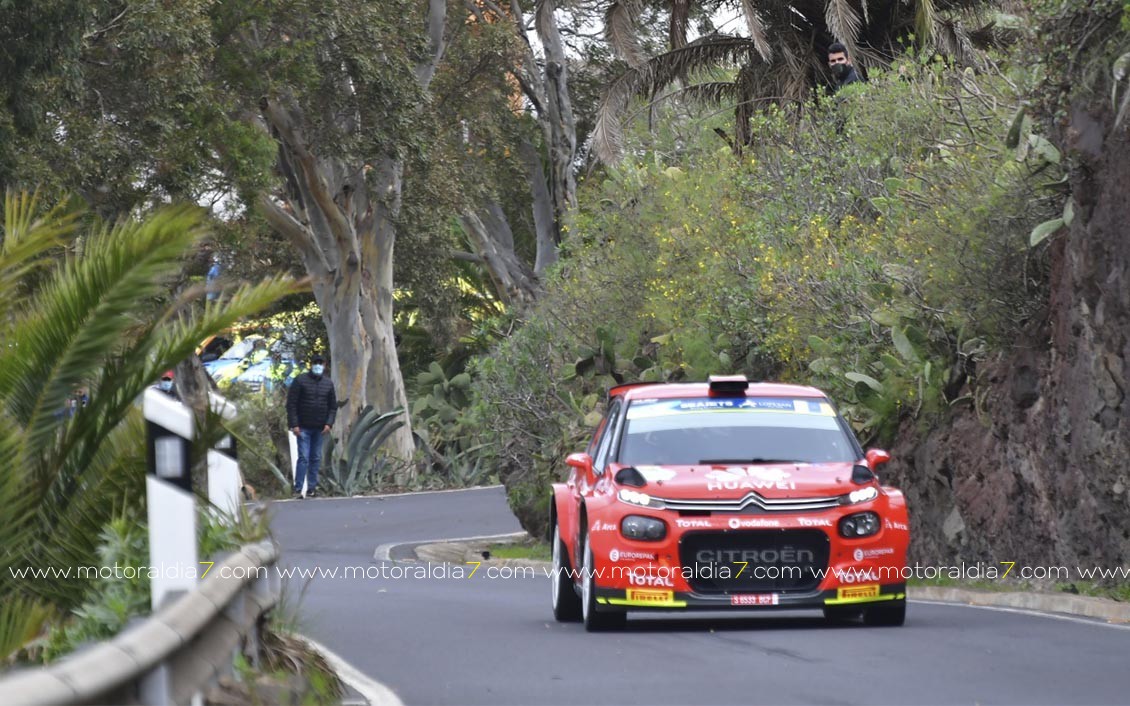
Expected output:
(566, 602)
(594, 620)
(889, 615)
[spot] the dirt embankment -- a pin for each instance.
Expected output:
(1039, 472)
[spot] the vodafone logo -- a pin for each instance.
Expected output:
(757, 523)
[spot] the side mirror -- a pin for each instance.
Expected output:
(876, 458)
(582, 462)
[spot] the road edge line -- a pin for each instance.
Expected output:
(376, 693)
(1114, 613)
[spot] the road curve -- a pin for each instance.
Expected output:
(481, 640)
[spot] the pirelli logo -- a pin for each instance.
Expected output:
(643, 595)
(857, 592)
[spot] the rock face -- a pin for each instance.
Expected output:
(1038, 470)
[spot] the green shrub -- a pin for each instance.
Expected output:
(876, 246)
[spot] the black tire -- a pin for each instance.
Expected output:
(595, 620)
(566, 602)
(889, 615)
(841, 614)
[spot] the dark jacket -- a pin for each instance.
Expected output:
(311, 401)
(850, 77)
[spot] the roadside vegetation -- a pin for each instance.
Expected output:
(876, 246)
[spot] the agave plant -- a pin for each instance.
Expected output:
(105, 321)
(357, 466)
(781, 59)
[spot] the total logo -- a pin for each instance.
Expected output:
(861, 554)
(809, 522)
(599, 526)
(892, 525)
(692, 523)
(641, 579)
(756, 523)
(751, 478)
(617, 555)
(858, 576)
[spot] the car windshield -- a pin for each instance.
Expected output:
(734, 430)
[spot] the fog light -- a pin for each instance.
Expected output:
(861, 524)
(647, 529)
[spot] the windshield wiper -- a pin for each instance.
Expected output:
(755, 460)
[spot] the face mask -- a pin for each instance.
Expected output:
(318, 369)
(167, 385)
(840, 71)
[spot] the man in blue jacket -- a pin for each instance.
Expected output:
(311, 406)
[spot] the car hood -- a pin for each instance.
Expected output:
(776, 480)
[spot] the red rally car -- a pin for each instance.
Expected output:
(726, 495)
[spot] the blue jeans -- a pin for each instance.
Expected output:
(309, 458)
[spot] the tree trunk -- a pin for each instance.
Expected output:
(343, 225)
(493, 241)
(557, 121)
(346, 242)
(544, 225)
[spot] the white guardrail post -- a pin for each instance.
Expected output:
(224, 480)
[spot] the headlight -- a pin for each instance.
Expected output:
(634, 497)
(861, 524)
(860, 496)
(647, 529)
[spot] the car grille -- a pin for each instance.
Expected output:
(774, 561)
(753, 501)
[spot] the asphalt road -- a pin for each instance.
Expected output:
(486, 641)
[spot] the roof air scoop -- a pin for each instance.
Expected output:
(728, 384)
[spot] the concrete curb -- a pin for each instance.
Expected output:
(384, 551)
(376, 693)
(460, 551)
(1086, 606)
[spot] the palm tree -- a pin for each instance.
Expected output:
(782, 59)
(102, 321)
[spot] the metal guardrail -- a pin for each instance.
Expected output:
(172, 656)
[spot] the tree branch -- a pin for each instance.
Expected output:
(437, 20)
(299, 235)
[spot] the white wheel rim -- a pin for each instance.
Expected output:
(556, 566)
(586, 581)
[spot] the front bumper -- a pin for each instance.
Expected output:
(666, 599)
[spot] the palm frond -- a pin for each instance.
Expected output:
(620, 31)
(757, 32)
(101, 319)
(925, 22)
(27, 237)
(709, 93)
(844, 24)
(656, 74)
(21, 620)
(953, 40)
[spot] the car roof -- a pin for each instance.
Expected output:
(650, 391)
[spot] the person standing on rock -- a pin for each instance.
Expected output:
(311, 406)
